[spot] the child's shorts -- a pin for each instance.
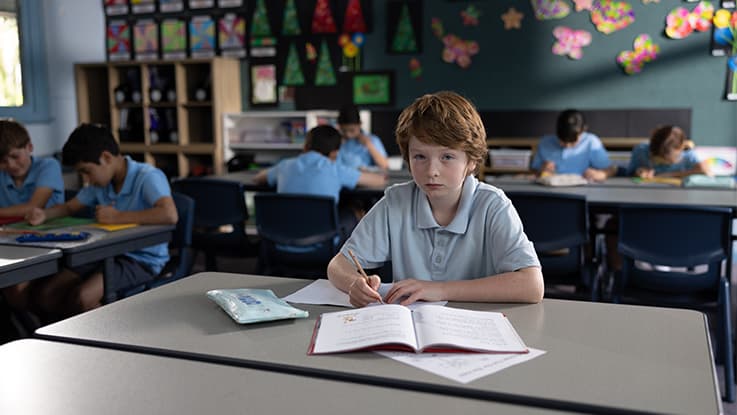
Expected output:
(125, 273)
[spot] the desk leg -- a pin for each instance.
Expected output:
(107, 273)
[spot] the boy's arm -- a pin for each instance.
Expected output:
(368, 179)
(379, 158)
(261, 177)
(163, 212)
(37, 216)
(522, 286)
(344, 276)
(38, 200)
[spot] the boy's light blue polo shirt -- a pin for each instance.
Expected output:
(485, 238)
(44, 172)
(144, 184)
(312, 173)
(354, 154)
(588, 152)
(641, 158)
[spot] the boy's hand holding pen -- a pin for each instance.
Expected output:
(363, 294)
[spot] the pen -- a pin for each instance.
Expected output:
(360, 270)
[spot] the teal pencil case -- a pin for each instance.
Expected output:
(250, 305)
(701, 180)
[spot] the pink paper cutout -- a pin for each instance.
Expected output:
(680, 22)
(570, 42)
(644, 51)
(458, 50)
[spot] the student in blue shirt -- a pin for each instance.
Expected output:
(359, 149)
(572, 150)
(668, 154)
(120, 190)
(25, 181)
(315, 171)
(448, 236)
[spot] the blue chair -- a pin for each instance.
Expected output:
(218, 203)
(681, 238)
(557, 225)
(299, 234)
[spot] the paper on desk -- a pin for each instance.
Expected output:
(114, 227)
(462, 367)
(324, 292)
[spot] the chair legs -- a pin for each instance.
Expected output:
(727, 351)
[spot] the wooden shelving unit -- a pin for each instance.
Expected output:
(198, 148)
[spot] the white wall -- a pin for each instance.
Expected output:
(75, 32)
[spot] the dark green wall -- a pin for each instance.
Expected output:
(516, 69)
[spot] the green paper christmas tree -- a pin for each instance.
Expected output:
(290, 26)
(325, 75)
(260, 25)
(404, 38)
(292, 71)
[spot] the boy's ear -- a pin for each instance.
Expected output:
(471, 167)
(106, 157)
(333, 155)
(29, 147)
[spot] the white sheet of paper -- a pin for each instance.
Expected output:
(462, 367)
(322, 291)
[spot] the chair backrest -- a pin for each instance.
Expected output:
(296, 220)
(682, 237)
(552, 221)
(182, 236)
(217, 202)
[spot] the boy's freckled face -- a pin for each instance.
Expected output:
(17, 162)
(439, 171)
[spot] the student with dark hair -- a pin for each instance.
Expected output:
(668, 154)
(120, 190)
(573, 150)
(359, 149)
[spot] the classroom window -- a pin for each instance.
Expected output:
(23, 86)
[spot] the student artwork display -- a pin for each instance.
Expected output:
(415, 68)
(609, 15)
(293, 75)
(232, 35)
(512, 19)
(171, 6)
(570, 42)
(724, 42)
(143, 6)
(470, 16)
(550, 9)
(632, 61)
(173, 39)
(681, 22)
(290, 22)
(322, 19)
(456, 50)
(403, 27)
(582, 5)
(351, 51)
(263, 84)
(201, 37)
(325, 74)
(230, 3)
(118, 40)
(201, 4)
(354, 21)
(373, 88)
(146, 39)
(263, 42)
(116, 7)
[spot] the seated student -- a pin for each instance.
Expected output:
(668, 154)
(25, 181)
(359, 149)
(122, 191)
(448, 236)
(316, 172)
(573, 150)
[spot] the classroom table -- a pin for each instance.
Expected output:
(601, 358)
(25, 263)
(246, 178)
(43, 377)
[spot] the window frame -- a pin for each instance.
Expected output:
(35, 106)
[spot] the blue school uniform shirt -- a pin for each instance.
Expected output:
(312, 173)
(484, 238)
(44, 172)
(144, 184)
(641, 158)
(354, 154)
(588, 152)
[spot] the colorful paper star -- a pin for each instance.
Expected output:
(512, 19)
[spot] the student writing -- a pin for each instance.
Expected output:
(668, 154)
(122, 191)
(448, 236)
(315, 172)
(25, 181)
(572, 150)
(359, 149)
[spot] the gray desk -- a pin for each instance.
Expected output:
(25, 263)
(246, 178)
(41, 377)
(603, 355)
(619, 192)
